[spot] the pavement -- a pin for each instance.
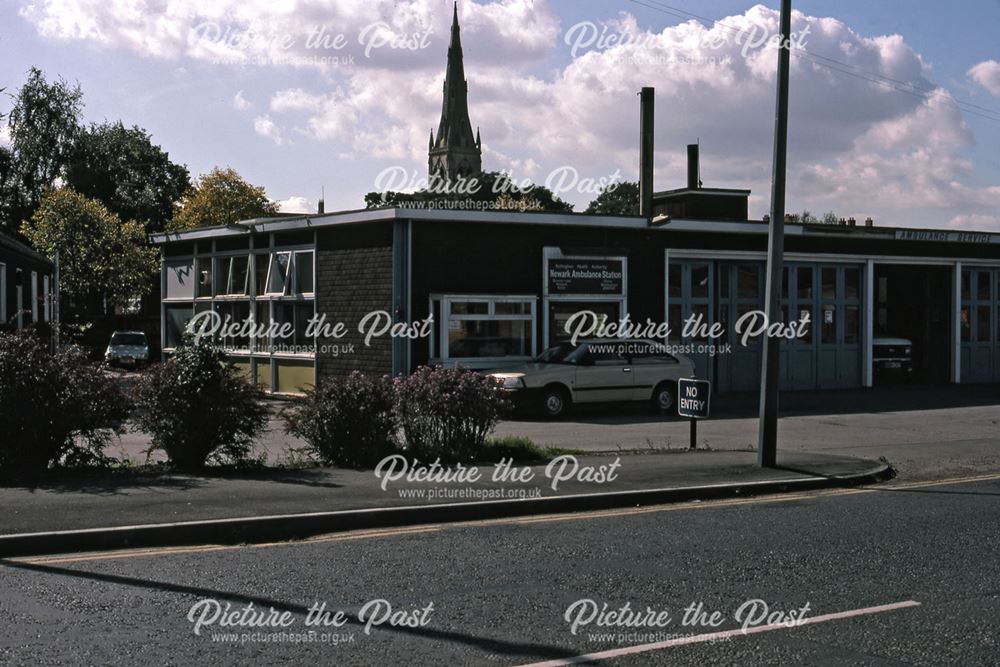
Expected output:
(268, 505)
(826, 438)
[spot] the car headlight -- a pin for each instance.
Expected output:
(513, 383)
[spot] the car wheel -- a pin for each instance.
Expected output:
(663, 399)
(555, 402)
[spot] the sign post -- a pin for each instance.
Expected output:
(693, 397)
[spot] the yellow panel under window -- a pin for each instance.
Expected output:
(263, 373)
(243, 365)
(295, 376)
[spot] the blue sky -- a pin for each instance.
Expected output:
(856, 147)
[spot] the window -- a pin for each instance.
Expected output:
(46, 302)
(261, 262)
(231, 275)
(3, 294)
(175, 319)
(699, 281)
(34, 297)
(234, 316)
(180, 279)
(292, 318)
(485, 327)
(277, 274)
(204, 273)
(748, 281)
(674, 278)
(19, 282)
(304, 272)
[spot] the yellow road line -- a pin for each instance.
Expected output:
(545, 518)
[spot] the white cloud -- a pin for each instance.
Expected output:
(296, 204)
(4, 135)
(987, 75)
(265, 127)
(241, 103)
(300, 32)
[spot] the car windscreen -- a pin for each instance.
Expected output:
(558, 354)
(135, 339)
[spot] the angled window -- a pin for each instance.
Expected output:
(277, 273)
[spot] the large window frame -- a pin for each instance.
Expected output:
(441, 308)
(221, 295)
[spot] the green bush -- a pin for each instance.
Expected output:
(199, 408)
(347, 422)
(54, 408)
(447, 413)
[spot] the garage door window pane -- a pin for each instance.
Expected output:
(747, 281)
(983, 324)
(829, 283)
(851, 325)
(674, 278)
(983, 293)
(804, 280)
(852, 280)
(699, 282)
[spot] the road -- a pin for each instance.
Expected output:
(500, 589)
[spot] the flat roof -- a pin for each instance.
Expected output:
(660, 223)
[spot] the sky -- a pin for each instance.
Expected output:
(894, 107)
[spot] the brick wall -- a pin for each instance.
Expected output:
(353, 279)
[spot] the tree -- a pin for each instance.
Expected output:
(123, 169)
(491, 189)
(98, 253)
(616, 199)
(221, 197)
(44, 125)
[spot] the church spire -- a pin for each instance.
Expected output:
(456, 151)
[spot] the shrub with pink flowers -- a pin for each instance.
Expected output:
(448, 413)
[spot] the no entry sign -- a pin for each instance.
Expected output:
(693, 398)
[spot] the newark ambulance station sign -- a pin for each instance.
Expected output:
(585, 276)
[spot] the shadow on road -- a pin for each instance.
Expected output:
(493, 646)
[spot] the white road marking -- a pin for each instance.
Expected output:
(715, 636)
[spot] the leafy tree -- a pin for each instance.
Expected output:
(830, 218)
(98, 253)
(221, 197)
(122, 168)
(44, 124)
(616, 199)
(493, 189)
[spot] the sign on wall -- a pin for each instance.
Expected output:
(586, 276)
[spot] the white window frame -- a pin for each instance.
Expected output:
(270, 269)
(3, 294)
(34, 297)
(438, 352)
(294, 269)
(45, 295)
(19, 282)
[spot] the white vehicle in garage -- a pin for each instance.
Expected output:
(598, 371)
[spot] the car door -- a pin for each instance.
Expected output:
(603, 375)
(651, 365)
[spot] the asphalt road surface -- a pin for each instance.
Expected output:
(892, 575)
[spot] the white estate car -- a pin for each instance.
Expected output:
(598, 371)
